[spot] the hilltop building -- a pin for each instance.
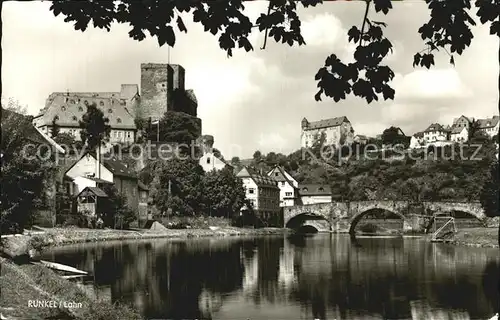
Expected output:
(436, 132)
(489, 126)
(162, 90)
(264, 196)
(338, 131)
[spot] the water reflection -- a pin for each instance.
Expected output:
(319, 277)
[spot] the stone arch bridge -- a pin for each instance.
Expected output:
(343, 216)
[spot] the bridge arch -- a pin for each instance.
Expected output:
(369, 209)
(473, 209)
(309, 219)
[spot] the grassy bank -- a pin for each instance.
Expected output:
(22, 284)
(477, 237)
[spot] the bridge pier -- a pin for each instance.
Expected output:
(415, 223)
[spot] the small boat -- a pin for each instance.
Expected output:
(62, 267)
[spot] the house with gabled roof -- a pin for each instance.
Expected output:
(263, 194)
(211, 161)
(417, 140)
(287, 184)
(489, 125)
(459, 134)
(462, 122)
(337, 131)
(436, 132)
(85, 172)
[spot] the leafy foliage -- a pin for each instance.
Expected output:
(490, 194)
(224, 192)
(391, 136)
(177, 127)
(178, 185)
(95, 127)
(54, 130)
(116, 206)
(24, 174)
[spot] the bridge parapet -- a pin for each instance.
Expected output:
(342, 215)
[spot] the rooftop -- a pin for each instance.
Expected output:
(327, 123)
(314, 190)
(68, 109)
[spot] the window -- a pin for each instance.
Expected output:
(119, 134)
(282, 183)
(101, 103)
(208, 160)
(321, 189)
(251, 190)
(128, 134)
(288, 194)
(276, 174)
(75, 118)
(119, 120)
(80, 109)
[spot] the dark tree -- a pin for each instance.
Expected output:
(95, 128)
(177, 127)
(54, 129)
(393, 136)
(490, 194)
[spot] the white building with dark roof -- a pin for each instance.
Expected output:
(436, 132)
(459, 134)
(315, 193)
(338, 131)
(287, 184)
(67, 109)
(489, 126)
(264, 196)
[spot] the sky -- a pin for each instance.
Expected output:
(253, 101)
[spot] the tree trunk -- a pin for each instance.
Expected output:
(498, 141)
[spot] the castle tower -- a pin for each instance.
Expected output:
(158, 82)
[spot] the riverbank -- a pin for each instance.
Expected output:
(477, 237)
(35, 292)
(49, 237)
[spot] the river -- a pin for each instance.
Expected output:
(275, 277)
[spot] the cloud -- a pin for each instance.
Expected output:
(323, 30)
(433, 84)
